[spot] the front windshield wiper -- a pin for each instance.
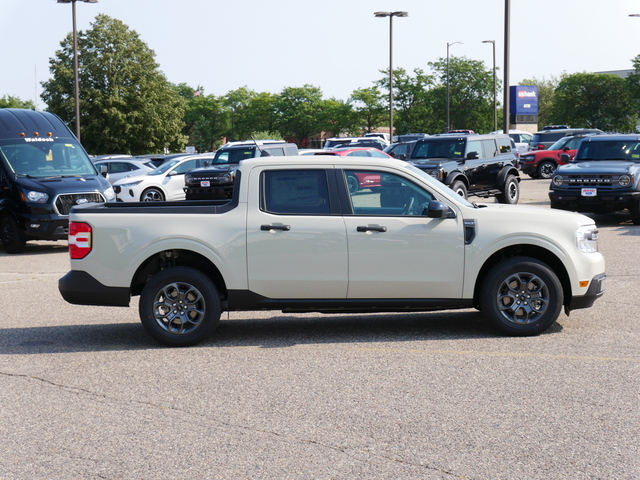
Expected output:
(26, 175)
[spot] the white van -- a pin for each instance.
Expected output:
(521, 138)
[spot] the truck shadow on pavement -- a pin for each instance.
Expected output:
(278, 331)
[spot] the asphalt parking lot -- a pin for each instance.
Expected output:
(86, 393)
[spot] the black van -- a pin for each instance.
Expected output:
(44, 172)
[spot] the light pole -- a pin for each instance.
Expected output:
(75, 61)
(505, 84)
(495, 88)
(391, 15)
(448, 126)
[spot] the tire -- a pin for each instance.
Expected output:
(13, 239)
(460, 188)
(546, 169)
(180, 307)
(510, 191)
(521, 296)
(353, 184)
(152, 195)
(635, 213)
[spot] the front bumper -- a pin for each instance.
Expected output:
(595, 291)
(603, 202)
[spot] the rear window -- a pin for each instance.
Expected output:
(547, 137)
(295, 192)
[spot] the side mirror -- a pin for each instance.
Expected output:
(402, 156)
(473, 155)
(103, 169)
(437, 209)
(565, 158)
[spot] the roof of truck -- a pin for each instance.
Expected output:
(22, 122)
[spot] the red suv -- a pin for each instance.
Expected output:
(543, 163)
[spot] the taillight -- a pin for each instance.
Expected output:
(79, 239)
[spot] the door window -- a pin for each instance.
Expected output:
(377, 193)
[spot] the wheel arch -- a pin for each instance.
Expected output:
(177, 257)
(532, 251)
(505, 172)
(455, 176)
(153, 187)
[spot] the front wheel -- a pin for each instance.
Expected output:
(546, 169)
(460, 188)
(635, 213)
(180, 306)
(521, 296)
(13, 239)
(152, 195)
(510, 191)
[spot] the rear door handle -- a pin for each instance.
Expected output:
(371, 229)
(268, 228)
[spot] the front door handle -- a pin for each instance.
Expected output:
(268, 228)
(371, 229)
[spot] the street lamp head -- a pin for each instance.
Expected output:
(391, 14)
(73, 1)
(489, 41)
(453, 43)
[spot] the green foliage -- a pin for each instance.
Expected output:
(546, 92)
(299, 113)
(470, 93)
(127, 105)
(596, 101)
(369, 108)
(9, 101)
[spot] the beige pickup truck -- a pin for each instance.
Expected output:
(295, 238)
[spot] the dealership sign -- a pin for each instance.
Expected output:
(523, 100)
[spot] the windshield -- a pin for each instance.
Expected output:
(234, 155)
(441, 148)
(628, 150)
(46, 157)
(559, 144)
(164, 168)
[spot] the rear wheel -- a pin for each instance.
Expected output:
(353, 184)
(13, 239)
(180, 306)
(546, 169)
(521, 296)
(510, 191)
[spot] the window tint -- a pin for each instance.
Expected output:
(474, 146)
(295, 192)
(188, 165)
(358, 153)
(375, 193)
(440, 148)
(504, 145)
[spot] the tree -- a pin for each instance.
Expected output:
(300, 113)
(412, 103)
(633, 84)
(594, 100)
(546, 92)
(470, 93)
(368, 105)
(9, 101)
(127, 104)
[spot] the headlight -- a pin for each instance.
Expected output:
(587, 238)
(557, 180)
(528, 158)
(624, 180)
(437, 174)
(110, 194)
(37, 197)
(132, 184)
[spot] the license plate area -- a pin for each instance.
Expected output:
(589, 192)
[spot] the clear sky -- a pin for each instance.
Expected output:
(336, 45)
